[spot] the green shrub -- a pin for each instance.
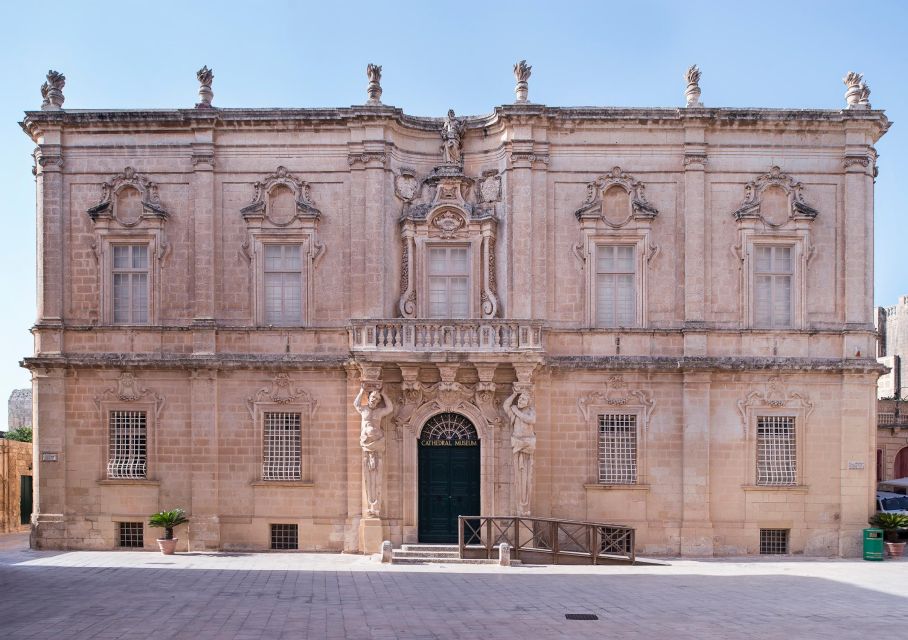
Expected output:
(22, 434)
(890, 523)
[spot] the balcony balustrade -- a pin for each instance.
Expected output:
(445, 335)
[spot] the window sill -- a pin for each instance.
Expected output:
(282, 483)
(799, 488)
(616, 487)
(130, 481)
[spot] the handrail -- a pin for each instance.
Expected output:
(401, 334)
(546, 539)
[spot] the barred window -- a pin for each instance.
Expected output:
(128, 445)
(283, 284)
(285, 536)
(616, 295)
(131, 534)
(281, 459)
(618, 449)
(772, 286)
(773, 541)
(776, 451)
(130, 283)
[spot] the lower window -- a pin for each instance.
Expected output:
(281, 456)
(777, 463)
(618, 449)
(285, 536)
(773, 541)
(127, 445)
(131, 535)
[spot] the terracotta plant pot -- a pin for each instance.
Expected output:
(895, 549)
(167, 546)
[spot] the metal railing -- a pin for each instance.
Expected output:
(445, 335)
(546, 540)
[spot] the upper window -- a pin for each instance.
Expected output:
(283, 280)
(127, 445)
(773, 273)
(449, 282)
(776, 451)
(616, 285)
(130, 283)
(618, 449)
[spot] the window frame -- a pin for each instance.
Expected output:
(284, 322)
(306, 242)
(447, 247)
(130, 272)
(306, 411)
(303, 449)
(798, 463)
(599, 448)
(642, 255)
(800, 257)
(424, 246)
(153, 294)
(800, 418)
(150, 408)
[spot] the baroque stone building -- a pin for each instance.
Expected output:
(654, 317)
(19, 409)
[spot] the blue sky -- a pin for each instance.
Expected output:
(437, 56)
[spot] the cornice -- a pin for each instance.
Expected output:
(742, 364)
(540, 115)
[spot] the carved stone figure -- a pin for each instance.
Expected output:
(692, 92)
(52, 91)
(522, 73)
(855, 91)
(452, 138)
(206, 95)
(372, 441)
(523, 446)
(373, 72)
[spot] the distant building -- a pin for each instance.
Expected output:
(20, 408)
(891, 440)
(892, 347)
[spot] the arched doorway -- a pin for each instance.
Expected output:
(900, 467)
(449, 455)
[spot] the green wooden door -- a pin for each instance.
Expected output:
(448, 480)
(25, 499)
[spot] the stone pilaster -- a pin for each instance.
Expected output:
(859, 163)
(204, 232)
(694, 223)
(51, 240)
(369, 242)
(49, 497)
(696, 524)
(204, 528)
(520, 221)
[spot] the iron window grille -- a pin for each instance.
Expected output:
(618, 449)
(282, 449)
(776, 451)
(773, 541)
(285, 536)
(128, 454)
(131, 535)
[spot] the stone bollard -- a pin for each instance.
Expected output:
(504, 554)
(386, 551)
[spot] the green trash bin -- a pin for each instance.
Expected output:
(873, 544)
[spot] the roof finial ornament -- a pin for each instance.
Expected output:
(692, 92)
(52, 91)
(206, 95)
(857, 95)
(373, 72)
(522, 73)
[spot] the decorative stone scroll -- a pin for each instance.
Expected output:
(128, 198)
(754, 191)
(617, 394)
(128, 389)
(774, 396)
(282, 392)
(263, 208)
(446, 205)
(636, 208)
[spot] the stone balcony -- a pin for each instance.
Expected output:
(461, 336)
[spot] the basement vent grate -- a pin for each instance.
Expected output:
(581, 616)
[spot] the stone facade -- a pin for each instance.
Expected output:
(892, 439)
(15, 464)
(892, 347)
(536, 206)
(20, 408)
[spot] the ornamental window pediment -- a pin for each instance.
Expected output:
(448, 227)
(774, 199)
(616, 199)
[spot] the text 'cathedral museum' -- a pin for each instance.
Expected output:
(326, 328)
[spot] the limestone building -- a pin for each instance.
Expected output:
(655, 317)
(19, 409)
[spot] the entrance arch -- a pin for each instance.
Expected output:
(900, 466)
(449, 475)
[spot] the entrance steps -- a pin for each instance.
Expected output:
(431, 553)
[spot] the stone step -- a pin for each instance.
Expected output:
(400, 553)
(430, 547)
(395, 560)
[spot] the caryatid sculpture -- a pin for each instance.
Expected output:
(452, 137)
(523, 446)
(372, 442)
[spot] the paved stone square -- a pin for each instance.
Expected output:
(107, 595)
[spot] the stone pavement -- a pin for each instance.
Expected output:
(107, 595)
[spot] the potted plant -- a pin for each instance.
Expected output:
(167, 520)
(890, 523)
